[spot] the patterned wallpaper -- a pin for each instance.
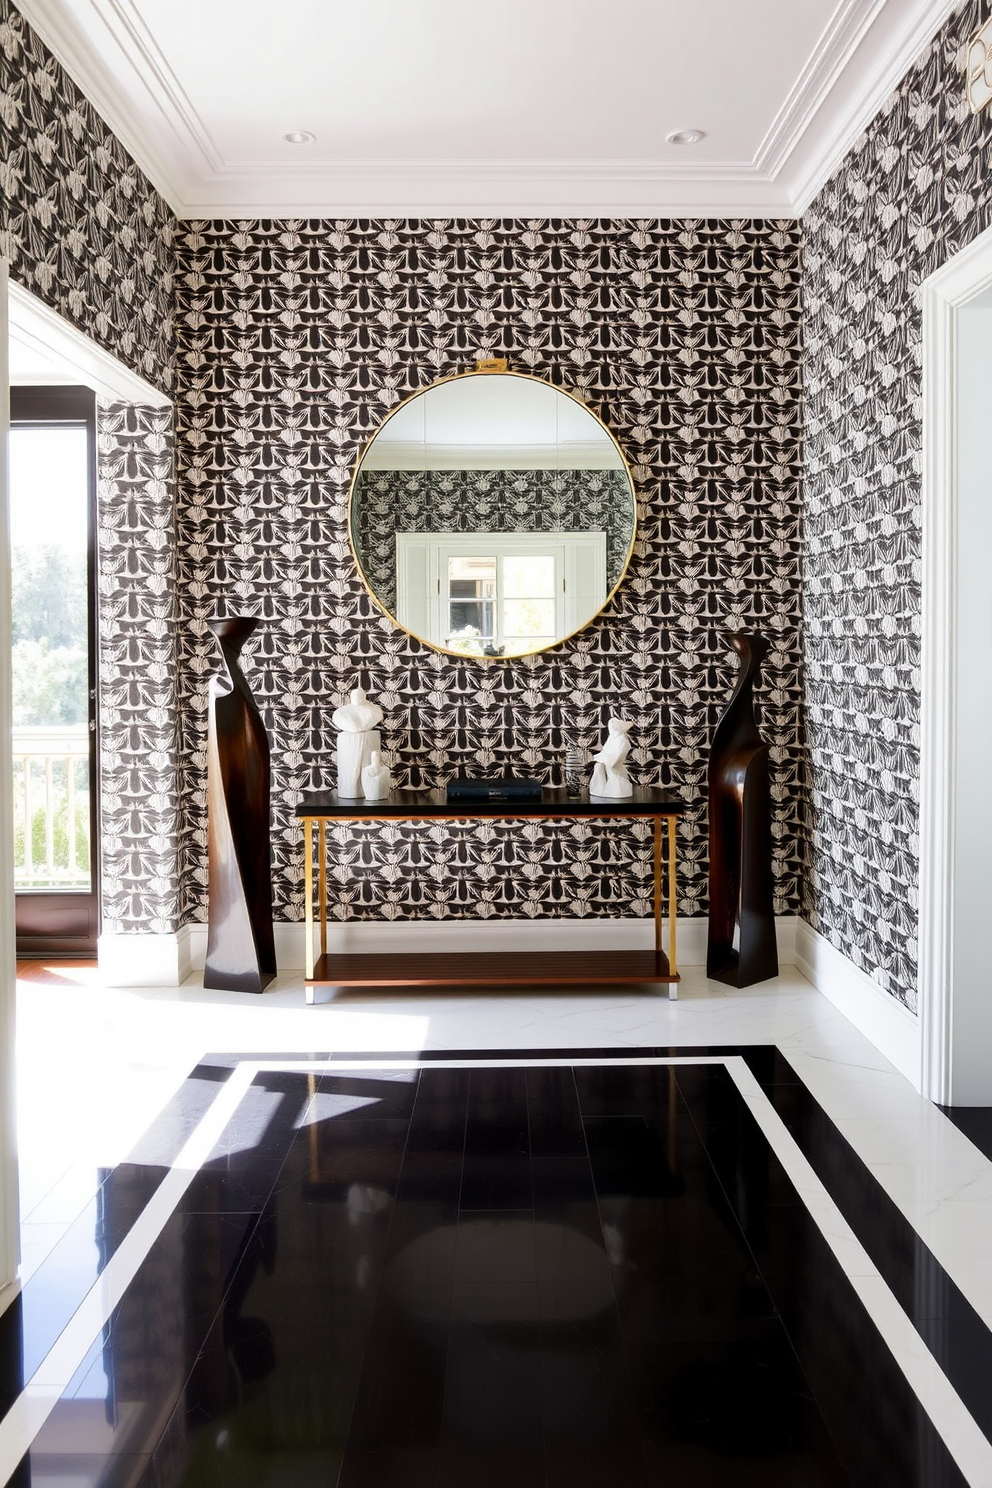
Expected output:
(295, 338)
(915, 190)
(87, 234)
(79, 223)
(391, 501)
(139, 788)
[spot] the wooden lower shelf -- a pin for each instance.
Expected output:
(491, 969)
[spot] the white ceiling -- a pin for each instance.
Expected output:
(492, 423)
(458, 107)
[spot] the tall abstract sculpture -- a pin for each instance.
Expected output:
(741, 942)
(241, 953)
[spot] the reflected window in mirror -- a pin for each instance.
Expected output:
(498, 594)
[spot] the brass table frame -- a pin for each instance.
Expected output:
(662, 860)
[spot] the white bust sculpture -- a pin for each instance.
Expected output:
(357, 715)
(358, 737)
(609, 775)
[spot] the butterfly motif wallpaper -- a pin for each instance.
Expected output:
(915, 189)
(284, 344)
(294, 339)
(763, 379)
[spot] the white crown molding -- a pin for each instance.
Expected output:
(495, 189)
(833, 100)
(160, 80)
(67, 42)
(841, 39)
(859, 91)
(351, 192)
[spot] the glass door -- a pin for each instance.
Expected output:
(52, 538)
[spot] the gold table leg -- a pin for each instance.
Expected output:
(322, 881)
(657, 885)
(673, 905)
(308, 900)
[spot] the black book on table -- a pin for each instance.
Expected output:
(503, 788)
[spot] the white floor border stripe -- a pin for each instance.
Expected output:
(37, 1400)
(962, 1436)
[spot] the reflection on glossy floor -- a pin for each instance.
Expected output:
(565, 1274)
(568, 1273)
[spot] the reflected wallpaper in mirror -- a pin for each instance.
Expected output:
(492, 515)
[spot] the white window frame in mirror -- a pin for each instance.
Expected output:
(421, 556)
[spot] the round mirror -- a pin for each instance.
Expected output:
(492, 515)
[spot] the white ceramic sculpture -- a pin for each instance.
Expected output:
(357, 738)
(609, 775)
(375, 778)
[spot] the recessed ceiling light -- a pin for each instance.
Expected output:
(686, 136)
(299, 137)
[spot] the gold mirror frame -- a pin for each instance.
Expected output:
(495, 368)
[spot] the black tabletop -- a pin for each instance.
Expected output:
(647, 800)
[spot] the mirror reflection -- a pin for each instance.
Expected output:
(492, 515)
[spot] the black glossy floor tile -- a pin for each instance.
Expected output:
(492, 1428)
(537, 1276)
(975, 1122)
(553, 1115)
(732, 1412)
(12, 1376)
(591, 1428)
(496, 1165)
(370, 1093)
(962, 1347)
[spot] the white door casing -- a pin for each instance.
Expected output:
(956, 680)
(9, 1217)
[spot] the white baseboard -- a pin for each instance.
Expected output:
(144, 960)
(886, 1023)
(411, 936)
(167, 960)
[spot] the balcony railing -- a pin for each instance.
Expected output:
(51, 807)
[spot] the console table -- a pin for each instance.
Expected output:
(484, 968)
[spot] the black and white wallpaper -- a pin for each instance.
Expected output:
(139, 784)
(391, 501)
(80, 225)
(86, 233)
(295, 338)
(915, 190)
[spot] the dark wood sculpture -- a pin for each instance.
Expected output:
(241, 953)
(740, 836)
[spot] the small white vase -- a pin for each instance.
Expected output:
(354, 752)
(375, 778)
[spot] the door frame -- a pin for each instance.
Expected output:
(36, 345)
(9, 1206)
(945, 1026)
(49, 406)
